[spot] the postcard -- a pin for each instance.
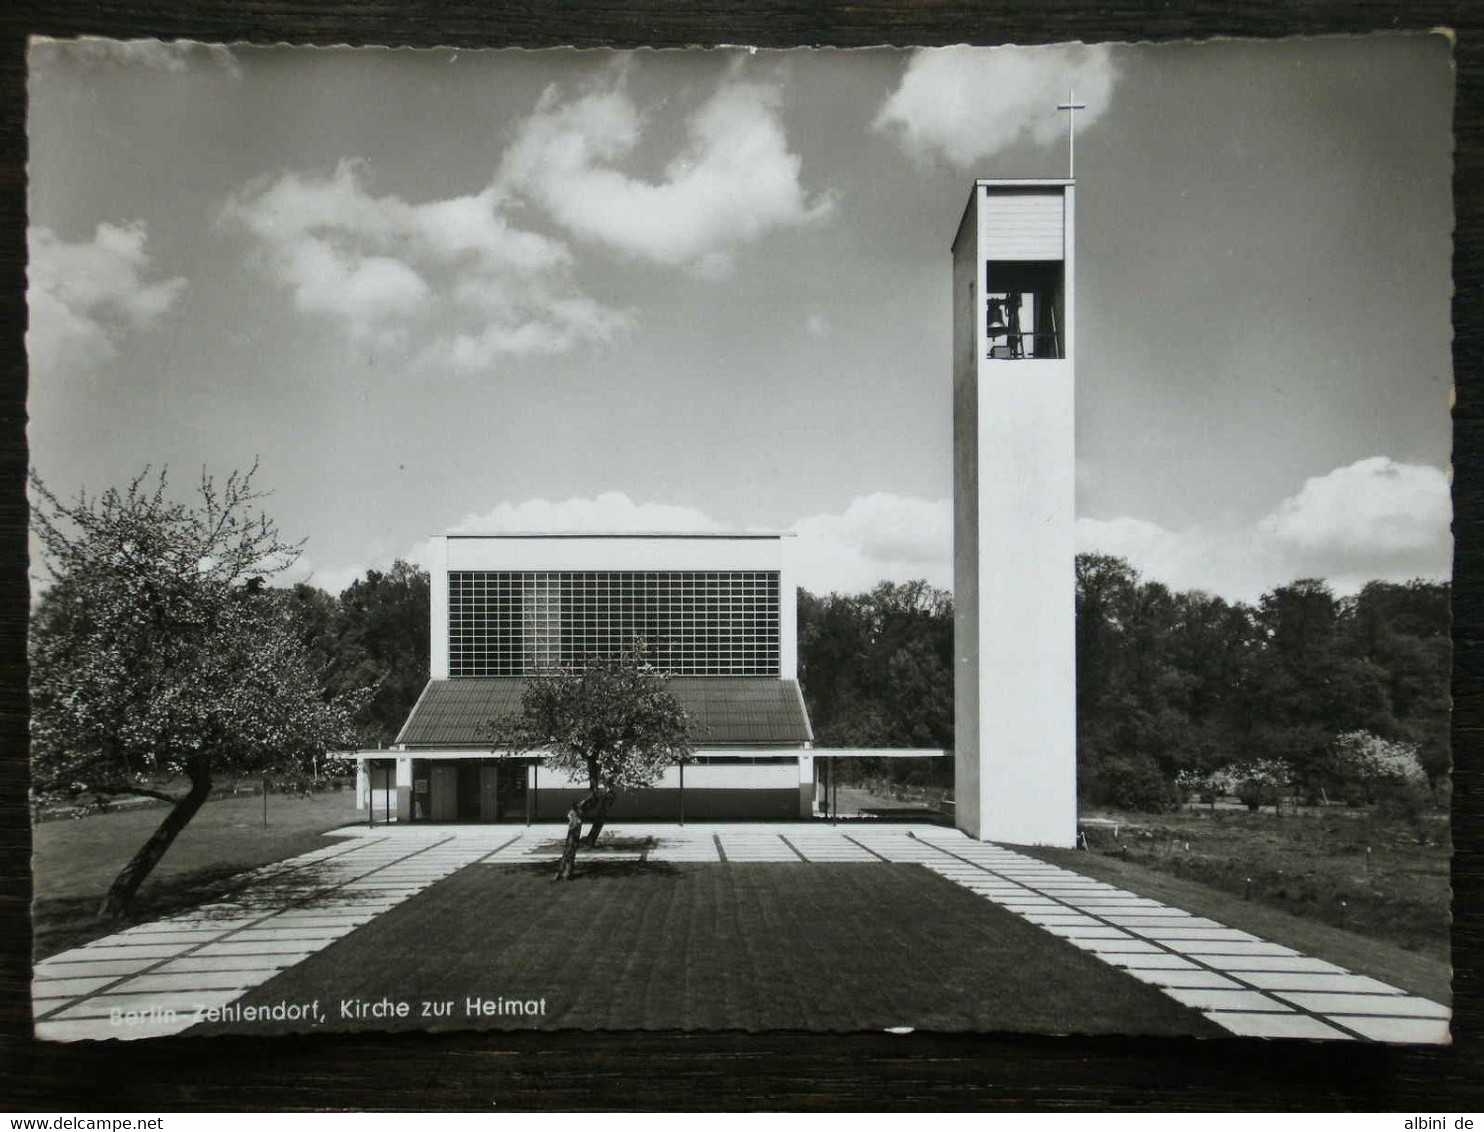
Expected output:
(947, 539)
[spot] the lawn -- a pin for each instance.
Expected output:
(824, 947)
(1313, 864)
(74, 861)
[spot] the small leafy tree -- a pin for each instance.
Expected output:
(1259, 782)
(611, 721)
(156, 654)
(1205, 785)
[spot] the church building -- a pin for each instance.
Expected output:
(717, 612)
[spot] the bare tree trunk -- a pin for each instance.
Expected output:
(126, 884)
(567, 867)
(596, 805)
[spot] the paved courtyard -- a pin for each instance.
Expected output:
(154, 979)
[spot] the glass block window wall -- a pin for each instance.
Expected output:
(696, 623)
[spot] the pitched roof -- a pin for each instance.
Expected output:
(725, 710)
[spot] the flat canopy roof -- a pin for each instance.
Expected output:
(1024, 182)
(622, 534)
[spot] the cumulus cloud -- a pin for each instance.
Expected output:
(453, 276)
(173, 57)
(879, 537)
(83, 296)
(610, 512)
(1227, 561)
(966, 104)
(1376, 519)
(1372, 510)
(733, 180)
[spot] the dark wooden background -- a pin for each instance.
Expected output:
(482, 1072)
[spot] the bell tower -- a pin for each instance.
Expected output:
(1014, 349)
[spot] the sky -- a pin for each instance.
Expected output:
(434, 291)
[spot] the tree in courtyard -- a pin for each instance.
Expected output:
(611, 721)
(157, 654)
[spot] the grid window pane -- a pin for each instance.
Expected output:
(703, 623)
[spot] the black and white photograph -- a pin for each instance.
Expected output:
(949, 539)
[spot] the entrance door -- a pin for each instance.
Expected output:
(443, 803)
(512, 792)
(489, 791)
(468, 790)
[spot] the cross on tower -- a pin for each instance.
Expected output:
(1071, 105)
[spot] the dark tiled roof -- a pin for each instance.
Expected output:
(725, 710)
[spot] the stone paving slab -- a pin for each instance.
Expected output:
(135, 950)
(208, 963)
(1079, 931)
(1168, 919)
(1206, 999)
(166, 932)
(66, 966)
(1128, 907)
(1188, 978)
(1172, 935)
(1397, 1006)
(193, 981)
(258, 947)
(1324, 981)
(1277, 1026)
(1153, 960)
(69, 988)
(1408, 1031)
(321, 920)
(1108, 947)
(1274, 963)
(289, 932)
(1233, 947)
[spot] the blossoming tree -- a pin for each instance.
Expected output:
(611, 721)
(158, 656)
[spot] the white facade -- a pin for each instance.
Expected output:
(1014, 348)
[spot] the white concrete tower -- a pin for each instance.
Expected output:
(1014, 345)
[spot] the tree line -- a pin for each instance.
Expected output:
(1177, 692)
(1185, 687)
(1301, 692)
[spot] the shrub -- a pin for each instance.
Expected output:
(1257, 782)
(1135, 782)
